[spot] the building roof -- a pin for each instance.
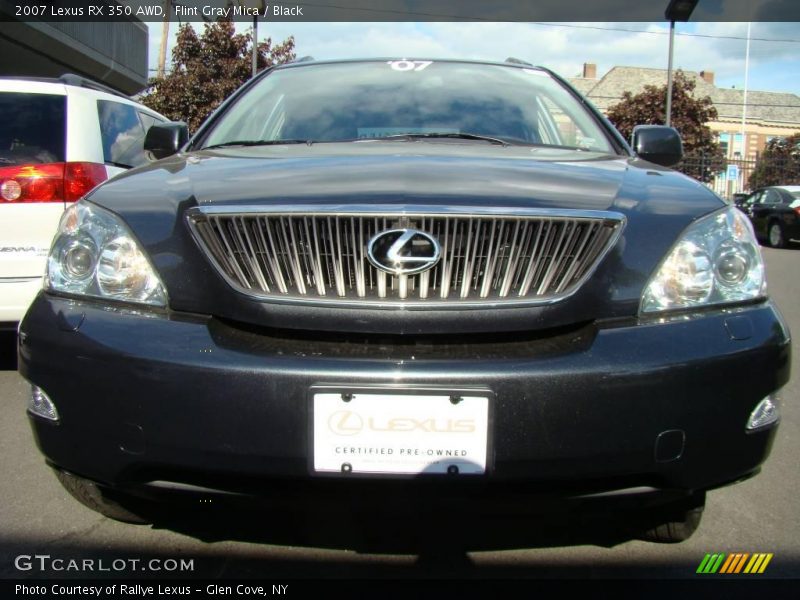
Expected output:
(583, 85)
(768, 108)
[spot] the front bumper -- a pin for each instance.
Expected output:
(148, 399)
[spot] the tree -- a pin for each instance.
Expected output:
(779, 164)
(703, 155)
(207, 68)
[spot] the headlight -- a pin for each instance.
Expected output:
(716, 261)
(94, 254)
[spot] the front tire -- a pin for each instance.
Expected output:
(99, 499)
(677, 524)
(776, 236)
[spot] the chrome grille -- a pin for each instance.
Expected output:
(311, 255)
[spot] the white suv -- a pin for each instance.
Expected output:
(59, 139)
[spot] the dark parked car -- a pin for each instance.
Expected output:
(775, 213)
(739, 198)
(438, 278)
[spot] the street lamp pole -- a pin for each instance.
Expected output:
(744, 97)
(668, 120)
(162, 49)
(260, 8)
(255, 46)
(677, 10)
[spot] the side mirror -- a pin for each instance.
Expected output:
(165, 139)
(658, 144)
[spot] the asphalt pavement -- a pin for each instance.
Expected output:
(37, 517)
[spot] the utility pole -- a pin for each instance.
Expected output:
(162, 52)
(255, 46)
(668, 120)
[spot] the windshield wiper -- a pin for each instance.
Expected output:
(256, 143)
(458, 136)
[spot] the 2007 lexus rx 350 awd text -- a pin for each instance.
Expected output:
(441, 277)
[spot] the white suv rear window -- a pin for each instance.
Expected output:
(33, 129)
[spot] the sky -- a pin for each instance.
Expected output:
(563, 47)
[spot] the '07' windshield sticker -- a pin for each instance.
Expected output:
(409, 65)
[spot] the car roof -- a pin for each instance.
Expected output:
(59, 83)
(792, 189)
(510, 62)
(69, 84)
(32, 86)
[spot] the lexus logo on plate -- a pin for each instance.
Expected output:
(403, 251)
(345, 422)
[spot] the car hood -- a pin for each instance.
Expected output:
(657, 205)
(401, 172)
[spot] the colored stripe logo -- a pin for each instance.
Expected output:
(735, 563)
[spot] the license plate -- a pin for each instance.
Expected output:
(400, 433)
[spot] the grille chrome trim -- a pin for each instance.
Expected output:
(316, 254)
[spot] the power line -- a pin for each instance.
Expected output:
(685, 34)
(460, 18)
(567, 25)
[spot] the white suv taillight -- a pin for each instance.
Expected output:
(50, 182)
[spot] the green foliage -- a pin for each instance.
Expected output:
(779, 164)
(208, 68)
(689, 117)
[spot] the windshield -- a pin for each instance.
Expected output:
(373, 100)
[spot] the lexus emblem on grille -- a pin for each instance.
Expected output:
(403, 251)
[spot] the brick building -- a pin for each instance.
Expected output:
(768, 115)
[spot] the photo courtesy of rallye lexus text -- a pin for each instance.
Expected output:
(433, 278)
(103, 591)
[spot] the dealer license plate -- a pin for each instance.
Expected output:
(400, 433)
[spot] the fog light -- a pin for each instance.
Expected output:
(40, 405)
(765, 413)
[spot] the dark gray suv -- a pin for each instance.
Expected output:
(452, 277)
